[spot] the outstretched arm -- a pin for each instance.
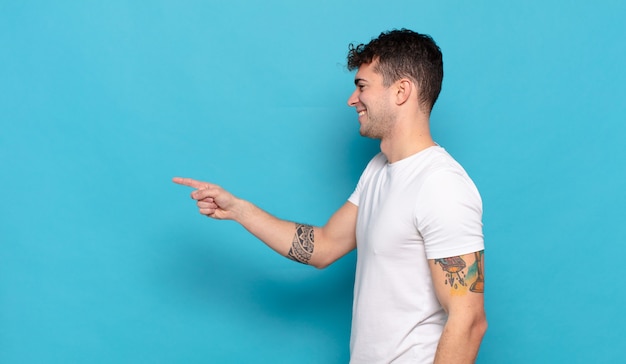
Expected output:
(459, 285)
(317, 246)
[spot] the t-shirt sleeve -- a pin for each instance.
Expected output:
(374, 164)
(448, 215)
(354, 197)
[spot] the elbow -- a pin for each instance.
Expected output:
(314, 262)
(321, 264)
(472, 325)
(479, 326)
(483, 327)
(321, 261)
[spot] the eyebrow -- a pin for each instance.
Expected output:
(357, 80)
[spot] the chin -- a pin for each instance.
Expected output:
(368, 135)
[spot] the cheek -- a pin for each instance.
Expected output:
(363, 98)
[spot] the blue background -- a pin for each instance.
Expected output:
(104, 260)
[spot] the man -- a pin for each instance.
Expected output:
(414, 217)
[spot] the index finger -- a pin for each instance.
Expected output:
(190, 182)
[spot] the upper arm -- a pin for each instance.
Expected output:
(459, 284)
(337, 237)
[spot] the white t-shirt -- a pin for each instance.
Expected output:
(419, 208)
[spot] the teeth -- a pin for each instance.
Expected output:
(361, 113)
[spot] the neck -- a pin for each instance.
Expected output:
(406, 139)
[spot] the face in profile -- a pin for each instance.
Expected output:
(373, 102)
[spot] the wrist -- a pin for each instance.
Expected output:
(241, 210)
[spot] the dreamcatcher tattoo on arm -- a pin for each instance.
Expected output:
(458, 275)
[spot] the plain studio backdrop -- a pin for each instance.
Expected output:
(104, 260)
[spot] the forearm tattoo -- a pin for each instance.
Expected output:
(302, 246)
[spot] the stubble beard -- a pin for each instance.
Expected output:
(377, 126)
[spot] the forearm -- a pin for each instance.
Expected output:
(460, 341)
(294, 241)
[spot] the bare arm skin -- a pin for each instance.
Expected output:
(459, 285)
(317, 246)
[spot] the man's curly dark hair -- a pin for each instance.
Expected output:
(403, 53)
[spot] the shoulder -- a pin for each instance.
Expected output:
(448, 214)
(449, 187)
(447, 194)
(376, 164)
(443, 173)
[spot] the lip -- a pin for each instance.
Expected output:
(361, 116)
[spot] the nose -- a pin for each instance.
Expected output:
(353, 99)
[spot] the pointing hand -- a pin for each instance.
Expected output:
(212, 200)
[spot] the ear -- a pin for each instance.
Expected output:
(404, 89)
